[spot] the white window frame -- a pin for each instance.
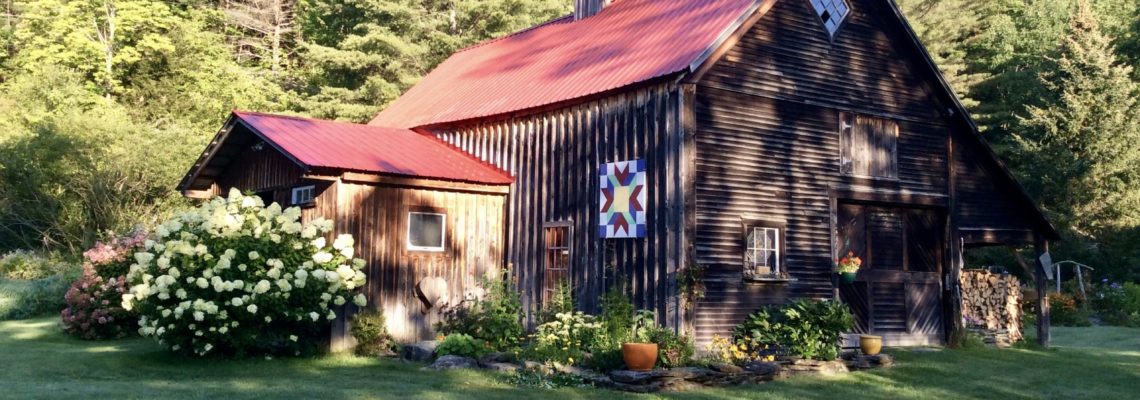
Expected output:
(295, 195)
(442, 233)
(761, 231)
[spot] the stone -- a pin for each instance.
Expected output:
(501, 366)
(689, 373)
(636, 377)
(726, 368)
(537, 366)
(495, 357)
(451, 361)
(419, 351)
(646, 388)
(593, 377)
(680, 386)
(882, 360)
(762, 368)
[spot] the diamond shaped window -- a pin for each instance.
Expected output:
(831, 13)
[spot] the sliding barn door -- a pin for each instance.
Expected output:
(897, 291)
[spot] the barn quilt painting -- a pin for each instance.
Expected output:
(622, 199)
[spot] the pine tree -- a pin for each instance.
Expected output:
(1085, 137)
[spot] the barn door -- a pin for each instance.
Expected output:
(897, 291)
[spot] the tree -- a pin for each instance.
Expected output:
(1084, 136)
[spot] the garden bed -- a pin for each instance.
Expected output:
(659, 379)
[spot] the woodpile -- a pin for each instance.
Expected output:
(991, 306)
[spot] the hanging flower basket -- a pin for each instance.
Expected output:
(848, 266)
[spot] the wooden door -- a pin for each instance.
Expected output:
(897, 292)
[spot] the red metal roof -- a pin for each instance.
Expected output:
(363, 148)
(628, 42)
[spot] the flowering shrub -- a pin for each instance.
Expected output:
(94, 301)
(238, 278)
(28, 265)
(1117, 304)
(567, 338)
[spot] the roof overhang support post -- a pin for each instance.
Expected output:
(1041, 280)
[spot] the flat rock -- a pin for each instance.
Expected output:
(645, 388)
(726, 368)
(689, 373)
(453, 362)
(537, 366)
(495, 357)
(419, 351)
(636, 377)
(882, 360)
(762, 367)
(501, 366)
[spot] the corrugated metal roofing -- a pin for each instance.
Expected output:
(628, 42)
(363, 148)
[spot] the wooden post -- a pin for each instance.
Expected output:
(1041, 246)
(953, 290)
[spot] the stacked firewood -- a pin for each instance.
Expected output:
(991, 305)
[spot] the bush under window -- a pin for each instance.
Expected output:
(802, 328)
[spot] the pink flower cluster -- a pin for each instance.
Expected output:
(94, 302)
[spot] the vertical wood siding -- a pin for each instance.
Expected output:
(554, 157)
(768, 148)
(377, 216)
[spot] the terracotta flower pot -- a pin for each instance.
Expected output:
(848, 277)
(639, 356)
(870, 344)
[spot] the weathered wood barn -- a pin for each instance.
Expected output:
(636, 139)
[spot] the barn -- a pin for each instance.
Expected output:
(636, 141)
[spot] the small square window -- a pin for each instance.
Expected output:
(868, 147)
(303, 195)
(831, 13)
(763, 255)
(426, 231)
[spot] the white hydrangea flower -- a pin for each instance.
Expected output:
(339, 301)
(331, 316)
(262, 287)
(252, 308)
(180, 294)
(293, 337)
(360, 300)
(223, 329)
(253, 255)
(199, 316)
(202, 283)
(342, 241)
(314, 315)
(322, 257)
(268, 319)
(326, 296)
(319, 243)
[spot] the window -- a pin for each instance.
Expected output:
(556, 259)
(763, 249)
(426, 231)
(868, 146)
(831, 14)
(304, 194)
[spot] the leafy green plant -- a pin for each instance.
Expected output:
(673, 350)
(462, 345)
(370, 330)
(21, 299)
(28, 265)
(1064, 311)
(566, 339)
(562, 301)
(804, 328)
(546, 380)
(496, 318)
(1117, 304)
(642, 329)
(690, 283)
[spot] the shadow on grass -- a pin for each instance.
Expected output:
(40, 361)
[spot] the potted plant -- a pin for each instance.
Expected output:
(641, 353)
(848, 266)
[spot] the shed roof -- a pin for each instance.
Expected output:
(628, 42)
(330, 145)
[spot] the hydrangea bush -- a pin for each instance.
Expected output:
(94, 301)
(235, 277)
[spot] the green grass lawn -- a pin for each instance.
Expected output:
(37, 361)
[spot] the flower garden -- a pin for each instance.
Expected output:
(237, 279)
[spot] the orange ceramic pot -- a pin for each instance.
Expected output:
(639, 356)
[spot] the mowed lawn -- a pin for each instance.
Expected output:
(37, 361)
